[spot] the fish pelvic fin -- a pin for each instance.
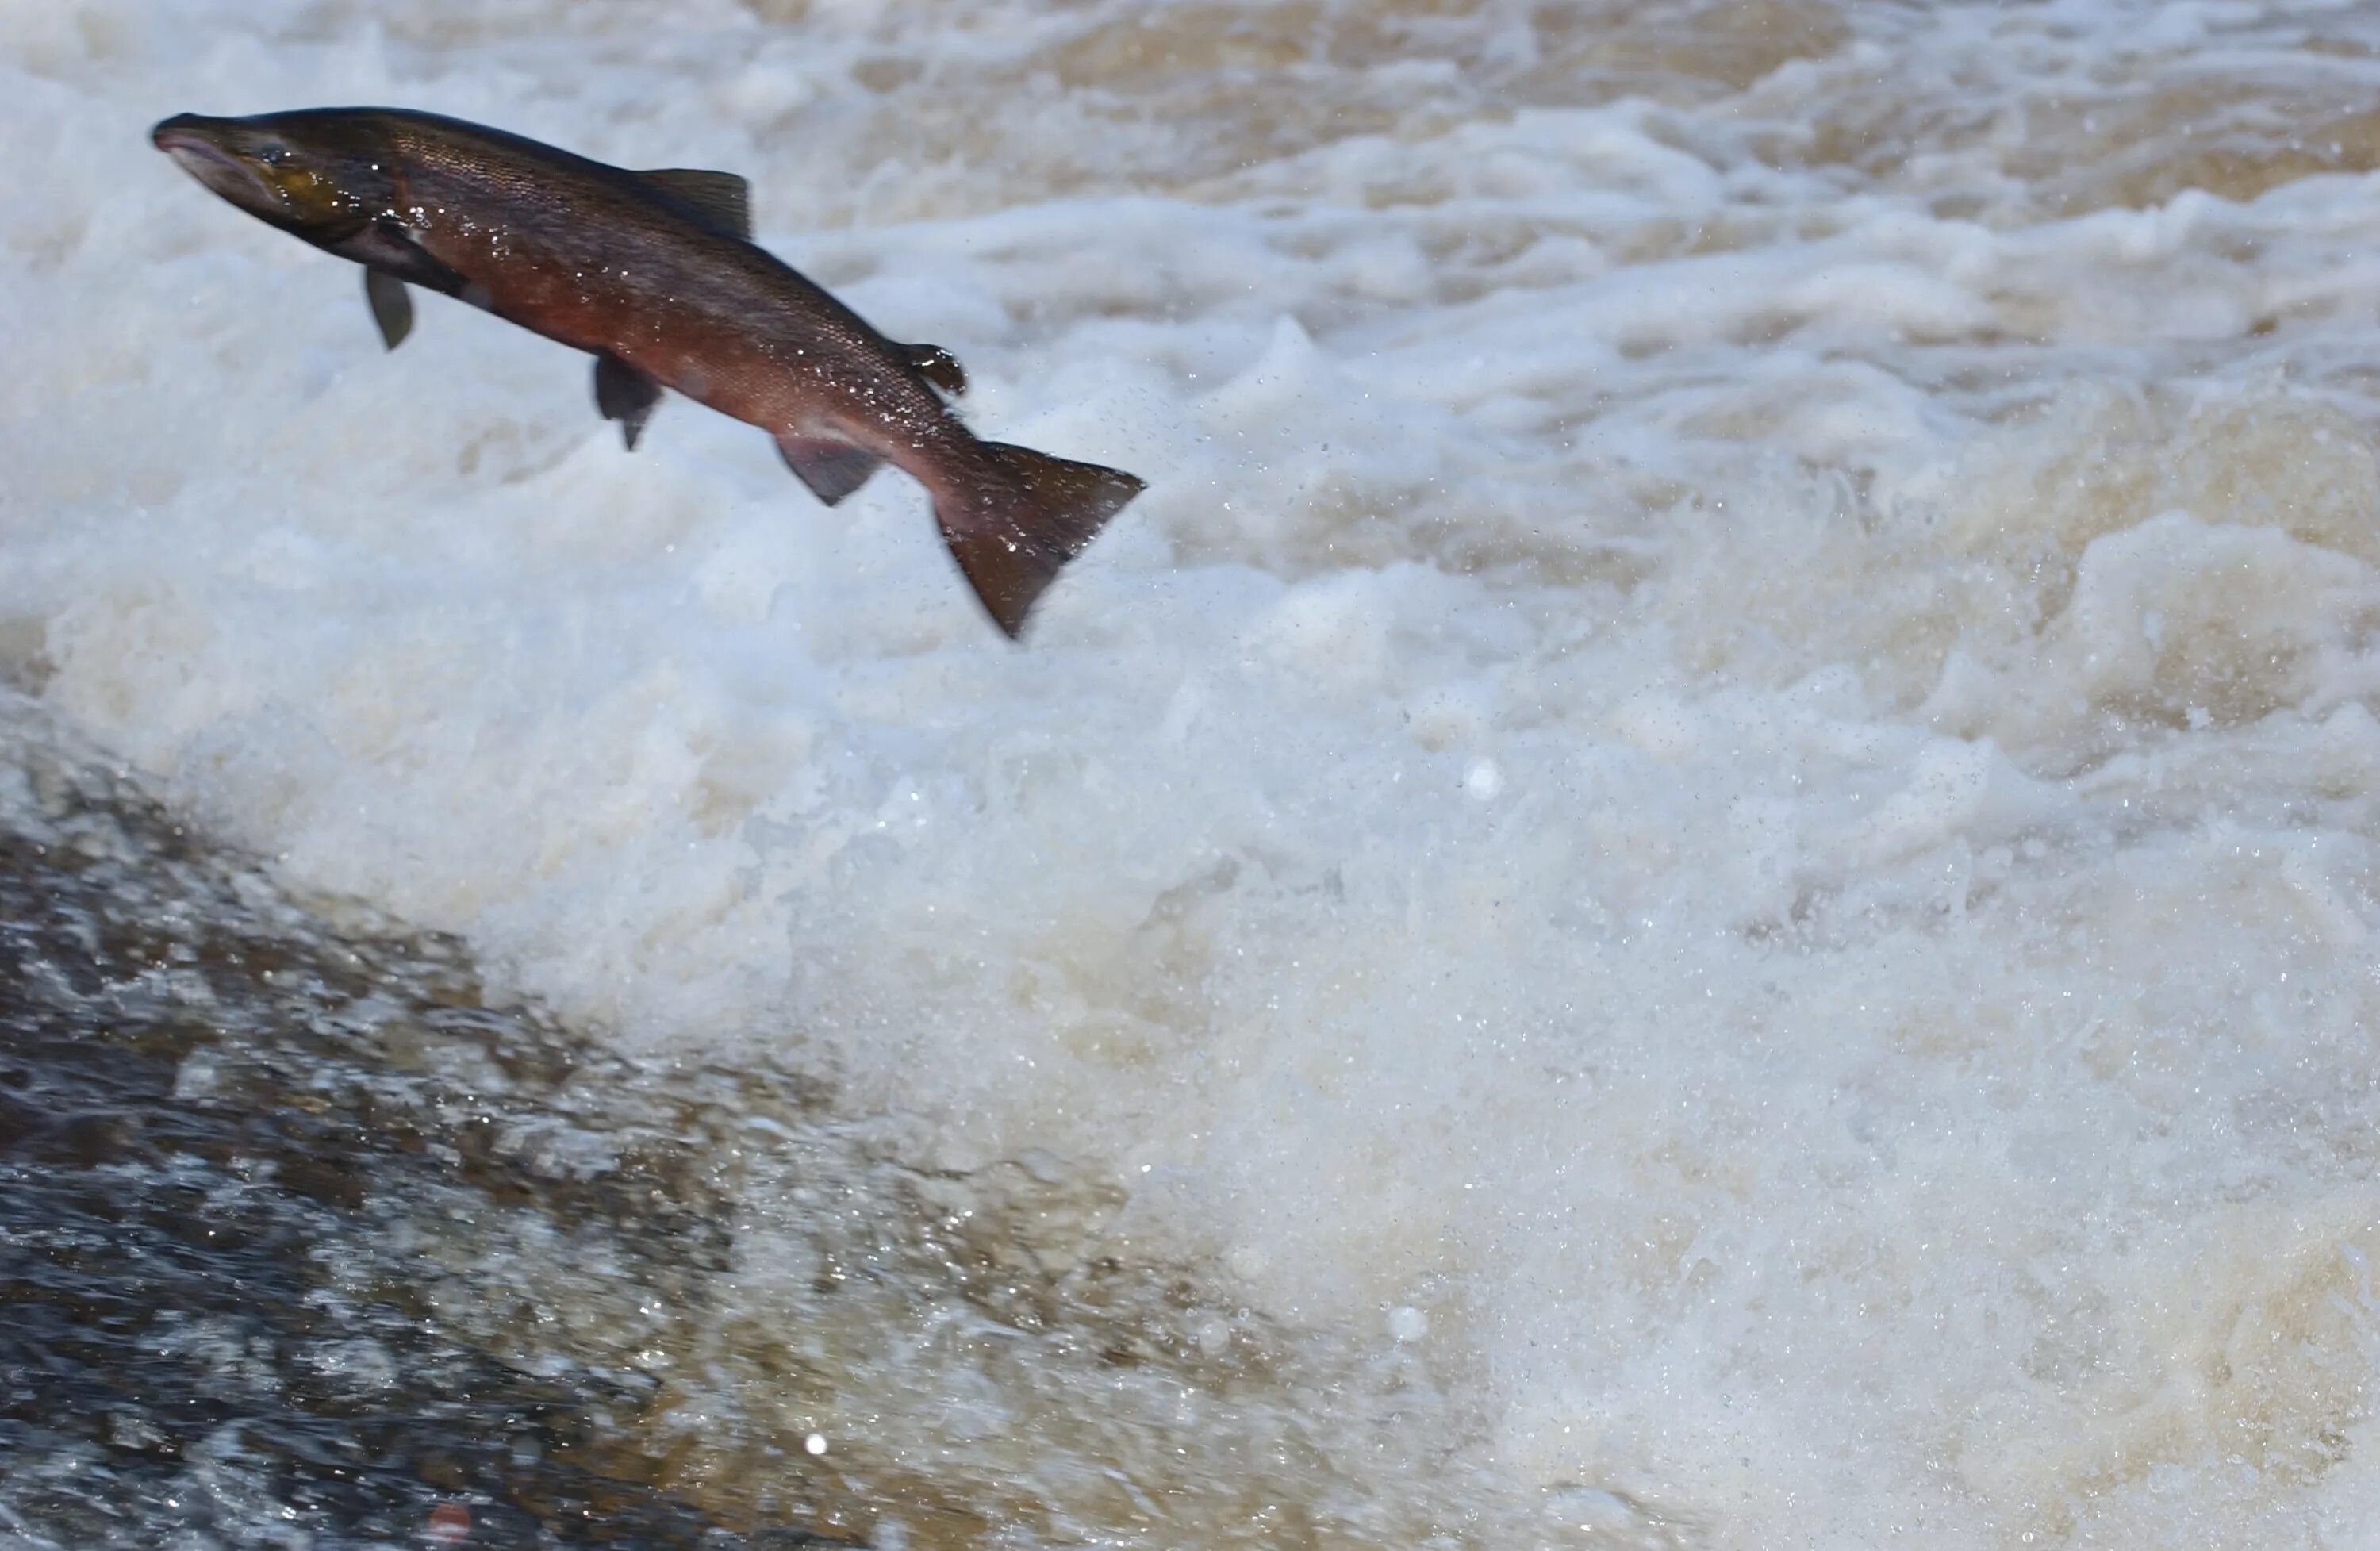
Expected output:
(626, 394)
(1013, 543)
(937, 366)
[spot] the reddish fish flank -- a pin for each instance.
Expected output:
(655, 275)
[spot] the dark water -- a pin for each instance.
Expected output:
(239, 1152)
(308, 1240)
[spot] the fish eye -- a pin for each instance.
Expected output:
(273, 153)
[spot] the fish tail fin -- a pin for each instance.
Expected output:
(1013, 543)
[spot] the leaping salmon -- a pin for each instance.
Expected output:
(655, 274)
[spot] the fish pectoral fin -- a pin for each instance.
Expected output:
(624, 394)
(723, 198)
(832, 470)
(392, 308)
(938, 366)
(390, 249)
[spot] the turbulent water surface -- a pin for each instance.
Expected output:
(1699, 875)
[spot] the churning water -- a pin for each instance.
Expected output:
(1700, 875)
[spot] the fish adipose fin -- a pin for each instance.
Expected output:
(1013, 545)
(624, 394)
(721, 199)
(390, 308)
(937, 366)
(832, 470)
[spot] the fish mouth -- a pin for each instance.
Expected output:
(197, 149)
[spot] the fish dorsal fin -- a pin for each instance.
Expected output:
(938, 366)
(723, 198)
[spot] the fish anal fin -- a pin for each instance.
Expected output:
(624, 394)
(724, 198)
(938, 366)
(392, 308)
(832, 470)
(1017, 537)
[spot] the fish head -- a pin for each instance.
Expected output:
(319, 173)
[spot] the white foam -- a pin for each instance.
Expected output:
(1725, 781)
